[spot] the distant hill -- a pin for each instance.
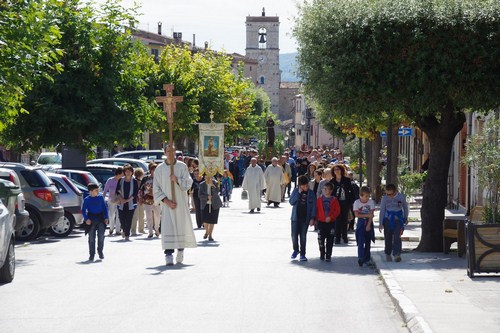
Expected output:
(288, 67)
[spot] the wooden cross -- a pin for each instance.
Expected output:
(169, 103)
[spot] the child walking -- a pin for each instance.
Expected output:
(95, 215)
(226, 188)
(393, 218)
(327, 211)
(365, 234)
(303, 201)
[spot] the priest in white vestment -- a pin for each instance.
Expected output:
(274, 179)
(254, 183)
(176, 226)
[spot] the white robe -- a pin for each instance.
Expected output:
(274, 179)
(254, 183)
(176, 226)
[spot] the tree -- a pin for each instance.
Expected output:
(28, 50)
(101, 94)
(426, 60)
(206, 81)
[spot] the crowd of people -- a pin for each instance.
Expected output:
(317, 182)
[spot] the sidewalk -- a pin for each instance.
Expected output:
(432, 291)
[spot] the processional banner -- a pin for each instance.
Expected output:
(211, 149)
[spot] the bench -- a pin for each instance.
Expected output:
(454, 231)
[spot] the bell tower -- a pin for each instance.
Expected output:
(262, 44)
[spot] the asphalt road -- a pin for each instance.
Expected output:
(242, 282)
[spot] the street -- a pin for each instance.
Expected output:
(242, 282)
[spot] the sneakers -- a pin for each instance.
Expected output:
(180, 256)
(169, 259)
(303, 258)
(398, 258)
(294, 254)
(388, 257)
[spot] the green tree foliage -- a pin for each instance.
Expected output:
(99, 97)
(483, 154)
(427, 60)
(207, 82)
(29, 35)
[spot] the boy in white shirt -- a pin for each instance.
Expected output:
(365, 234)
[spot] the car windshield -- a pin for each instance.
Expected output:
(50, 159)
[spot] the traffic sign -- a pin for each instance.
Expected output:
(383, 134)
(405, 131)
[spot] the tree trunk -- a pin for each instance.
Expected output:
(393, 157)
(375, 168)
(441, 134)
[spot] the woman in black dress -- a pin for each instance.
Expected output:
(210, 203)
(342, 190)
(195, 188)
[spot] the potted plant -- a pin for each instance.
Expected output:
(483, 239)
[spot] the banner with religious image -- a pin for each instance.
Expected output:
(211, 149)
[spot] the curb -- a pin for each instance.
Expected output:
(414, 321)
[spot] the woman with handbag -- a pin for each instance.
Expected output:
(127, 190)
(210, 204)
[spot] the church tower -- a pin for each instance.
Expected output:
(262, 44)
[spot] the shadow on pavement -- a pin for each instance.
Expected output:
(342, 265)
(413, 260)
(22, 263)
(157, 270)
(89, 262)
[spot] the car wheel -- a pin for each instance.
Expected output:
(64, 226)
(31, 230)
(9, 266)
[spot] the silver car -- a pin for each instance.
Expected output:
(7, 240)
(121, 162)
(42, 200)
(71, 200)
(22, 216)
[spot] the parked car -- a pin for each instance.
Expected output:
(7, 240)
(157, 155)
(22, 215)
(102, 172)
(80, 176)
(49, 160)
(121, 162)
(42, 200)
(71, 200)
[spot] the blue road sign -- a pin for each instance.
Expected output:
(383, 134)
(405, 131)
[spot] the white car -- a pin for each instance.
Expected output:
(49, 161)
(71, 200)
(7, 240)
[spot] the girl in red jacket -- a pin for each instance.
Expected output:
(327, 211)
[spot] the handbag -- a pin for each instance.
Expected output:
(244, 195)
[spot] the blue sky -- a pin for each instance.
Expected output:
(220, 22)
